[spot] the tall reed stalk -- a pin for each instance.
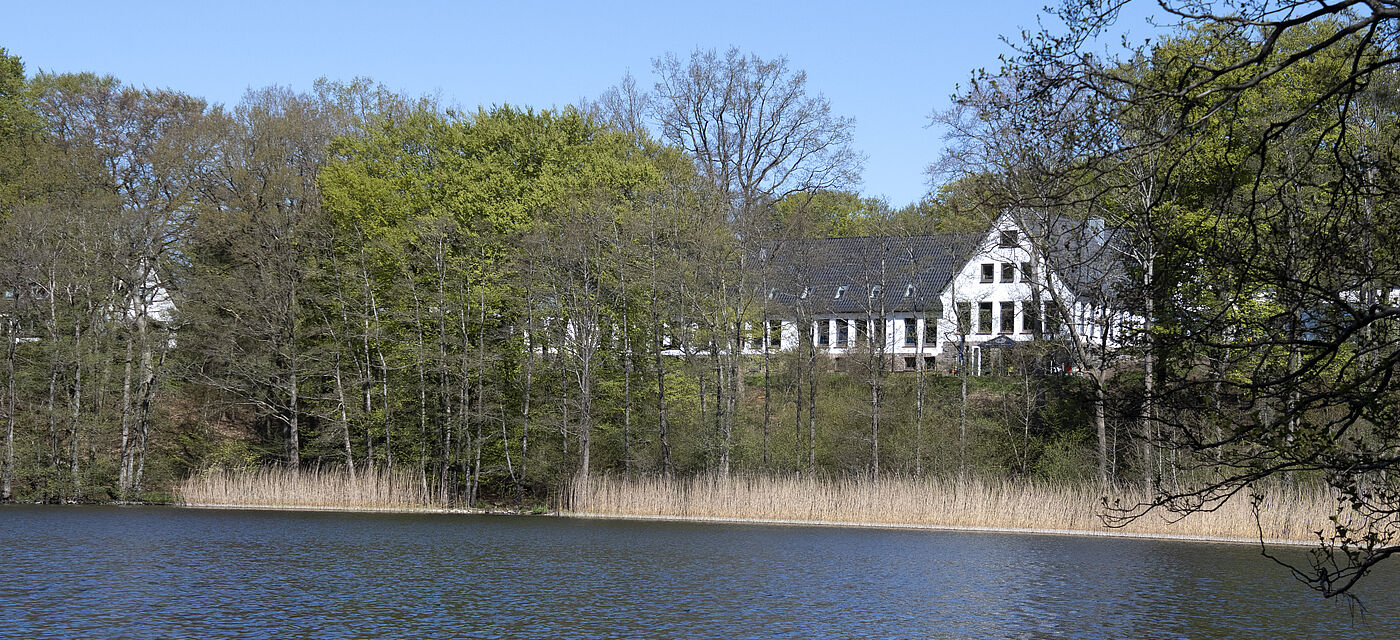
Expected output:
(1285, 513)
(314, 488)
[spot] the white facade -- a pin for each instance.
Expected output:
(1000, 291)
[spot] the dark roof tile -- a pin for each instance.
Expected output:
(826, 264)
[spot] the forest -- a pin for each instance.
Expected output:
(486, 299)
(353, 278)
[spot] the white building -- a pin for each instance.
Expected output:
(924, 297)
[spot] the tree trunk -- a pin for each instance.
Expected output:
(764, 332)
(127, 448)
(1101, 429)
(344, 421)
(76, 414)
(530, 345)
(962, 408)
(919, 393)
(1149, 484)
(7, 478)
(812, 408)
(294, 386)
(661, 418)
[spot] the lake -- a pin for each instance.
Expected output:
(153, 572)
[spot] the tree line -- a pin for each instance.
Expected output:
(485, 298)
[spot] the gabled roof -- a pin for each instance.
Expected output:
(1086, 255)
(826, 265)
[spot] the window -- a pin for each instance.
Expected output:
(806, 291)
(843, 336)
(824, 333)
(755, 336)
(875, 291)
(1008, 272)
(775, 333)
(1008, 238)
(1008, 317)
(911, 332)
(988, 272)
(928, 362)
(877, 328)
(931, 332)
(860, 331)
(771, 293)
(964, 318)
(840, 291)
(984, 317)
(910, 362)
(1032, 317)
(1026, 272)
(909, 290)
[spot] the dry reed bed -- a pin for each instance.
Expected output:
(289, 488)
(1285, 514)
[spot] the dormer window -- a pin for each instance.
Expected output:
(771, 293)
(1009, 238)
(806, 291)
(875, 291)
(909, 290)
(840, 291)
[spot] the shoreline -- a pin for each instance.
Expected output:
(1083, 533)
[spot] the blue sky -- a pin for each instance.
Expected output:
(886, 64)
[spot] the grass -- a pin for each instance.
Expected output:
(1285, 513)
(294, 488)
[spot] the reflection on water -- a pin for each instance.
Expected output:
(114, 572)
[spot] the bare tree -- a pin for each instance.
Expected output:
(756, 135)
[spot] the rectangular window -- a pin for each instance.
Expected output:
(984, 317)
(843, 335)
(824, 333)
(860, 331)
(1008, 272)
(964, 318)
(1008, 238)
(1026, 272)
(1031, 318)
(755, 336)
(928, 362)
(910, 362)
(989, 271)
(1008, 317)
(877, 329)
(911, 332)
(931, 332)
(775, 333)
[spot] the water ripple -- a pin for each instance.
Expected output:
(106, 572)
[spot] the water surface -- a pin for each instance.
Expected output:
(147, 572)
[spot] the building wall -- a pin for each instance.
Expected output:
(1002, 273)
